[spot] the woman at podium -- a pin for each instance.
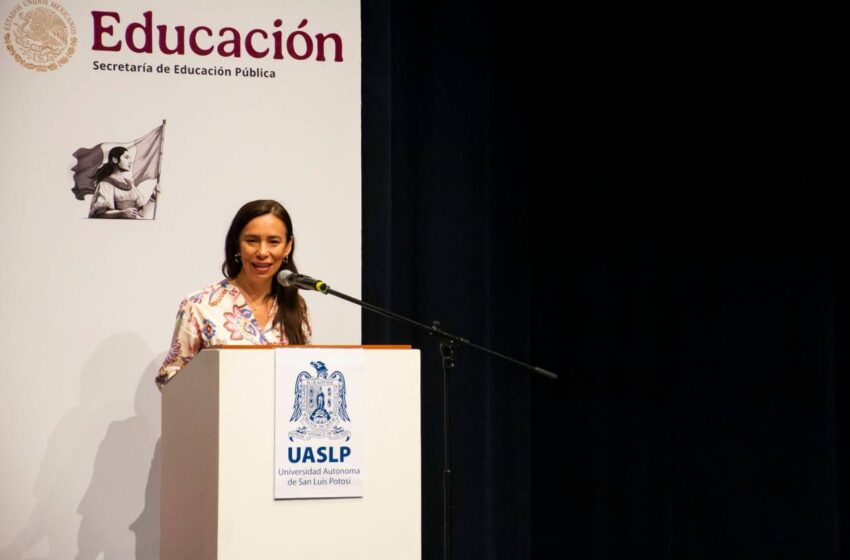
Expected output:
(248, 307)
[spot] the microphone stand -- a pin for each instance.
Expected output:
(448, 343)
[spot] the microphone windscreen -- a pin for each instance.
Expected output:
(285, 278)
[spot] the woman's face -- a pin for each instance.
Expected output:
(125, 162)
(263, 245)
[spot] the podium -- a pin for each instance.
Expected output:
(218, 465)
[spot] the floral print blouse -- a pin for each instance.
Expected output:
(218, 315)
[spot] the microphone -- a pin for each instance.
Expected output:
(301, 281)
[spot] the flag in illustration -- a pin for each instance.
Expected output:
(146, 162)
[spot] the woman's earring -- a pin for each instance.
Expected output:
(237, 256)
(286, 259)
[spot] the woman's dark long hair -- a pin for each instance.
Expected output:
(291, 316)
(108, 168)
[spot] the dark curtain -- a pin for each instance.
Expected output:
(667, 241)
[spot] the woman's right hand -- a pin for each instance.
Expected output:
(129, 213)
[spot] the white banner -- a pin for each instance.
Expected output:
(320, 435)
(217, 104)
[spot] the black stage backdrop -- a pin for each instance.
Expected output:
(673, 255)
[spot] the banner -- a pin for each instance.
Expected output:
(203, 106)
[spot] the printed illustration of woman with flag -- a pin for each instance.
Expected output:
(122, 177)
(116, 195)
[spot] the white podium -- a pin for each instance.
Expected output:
(218, 466)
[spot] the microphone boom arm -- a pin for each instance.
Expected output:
(434, 329)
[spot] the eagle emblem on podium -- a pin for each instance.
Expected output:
(319, 405)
